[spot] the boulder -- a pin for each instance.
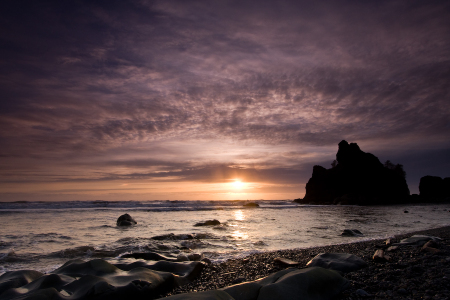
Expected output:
(352, 232)
(342, 262)
(358, 178)
(126, 220)
(417, 240)
(251, 204)
(208, 223)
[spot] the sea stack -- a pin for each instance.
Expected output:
(356, 178)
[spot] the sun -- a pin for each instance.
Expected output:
(237, 184)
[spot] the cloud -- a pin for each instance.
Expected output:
(91, 79)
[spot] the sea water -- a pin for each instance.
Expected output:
(44, 235)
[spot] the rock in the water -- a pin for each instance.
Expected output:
(125, 220)
(208, 223)
(358, 178)
(251, 204)
(351, 232)
(342, 262)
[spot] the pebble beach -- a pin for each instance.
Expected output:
(410, 273)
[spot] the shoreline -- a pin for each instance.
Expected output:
(410, 273)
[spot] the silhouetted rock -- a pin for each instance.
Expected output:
(208, 223)
(125, 220)
(358, 178)
(434, 188)
(251, 204)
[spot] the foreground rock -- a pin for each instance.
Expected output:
(290, 284)
(358, 178)
(342, 262)
(126, 220)
(98, 279)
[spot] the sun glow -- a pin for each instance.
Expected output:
(237, 184)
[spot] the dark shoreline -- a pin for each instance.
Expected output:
(410, 273)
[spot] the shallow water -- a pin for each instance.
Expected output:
(42, 236)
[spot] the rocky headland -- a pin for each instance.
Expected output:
(359, 178)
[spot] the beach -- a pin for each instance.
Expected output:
(410, 274)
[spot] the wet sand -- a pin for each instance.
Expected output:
(411, 273)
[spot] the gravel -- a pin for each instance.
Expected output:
(410, 273)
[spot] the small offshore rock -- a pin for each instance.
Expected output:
(125, 220)
(208, 223)
(251, 204)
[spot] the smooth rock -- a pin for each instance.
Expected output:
(148, 256)
(285, 261)
(379, 256)
(351, 232)
(310, 283)
(182, 257)
(342, 262)
(251, 204)
(208, 223)
(195, 257)
(417, 240)
(125, 220)
(392, 248)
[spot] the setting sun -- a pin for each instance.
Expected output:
(237, 184)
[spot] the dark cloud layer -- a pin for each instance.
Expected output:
(197, 83)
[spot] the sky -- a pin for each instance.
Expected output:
(215, 100)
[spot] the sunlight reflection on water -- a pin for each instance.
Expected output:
(239, 215)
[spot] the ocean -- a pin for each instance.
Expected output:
(42, 236)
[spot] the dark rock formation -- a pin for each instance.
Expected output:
(251, 204)
(125, 220)
(358, 178)
(208, 223)
(434, 187)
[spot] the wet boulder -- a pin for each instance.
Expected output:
(208, 223)
(126, 220)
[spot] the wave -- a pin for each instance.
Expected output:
(153, 206)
